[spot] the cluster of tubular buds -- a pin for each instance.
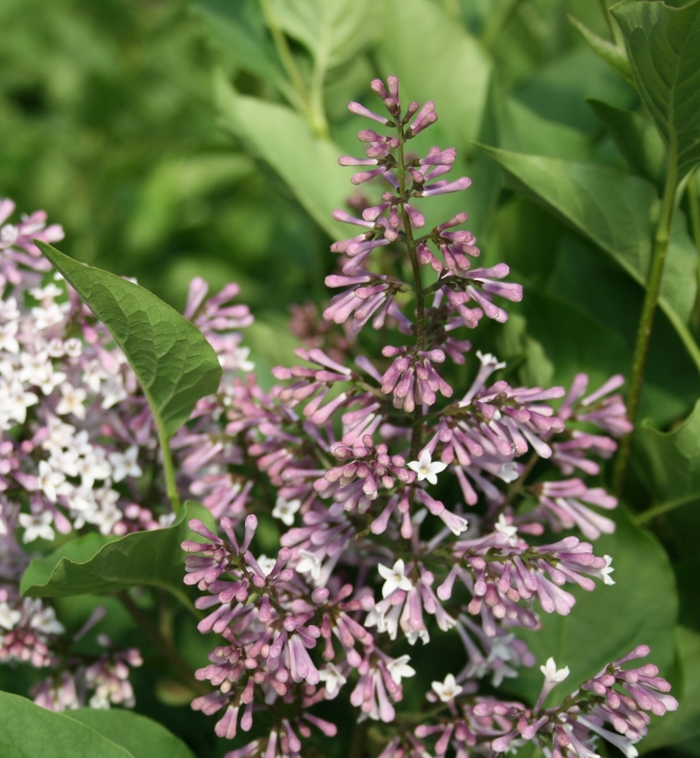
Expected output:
(622, 698)
(261, 611)
(501, 572)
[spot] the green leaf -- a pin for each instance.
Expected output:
(635, 137)
(238, 28)
(578, 343)
(308, 164)
(30, 731)
(457, 77)
(142, 737)
(100, 565)
(683, 724)
(674, 465)
(333, 31)
(172, 360)
(614, 56)
(607, 623)
(613, 209)
(524, 131)
(663, 46)
(590, 280)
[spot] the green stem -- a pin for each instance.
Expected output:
(661, 508)
(163, 645)
(641, 349)
(168, 469)
(694, 217)
(608, 19)
(285, 53)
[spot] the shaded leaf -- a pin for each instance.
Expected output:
(642, 604)
(613, 209)
(172, 360)
(670, 461)
(589, 279)
(457, 77)
(100, 565)
(558, 90)
(308, 164)
(333, 31)
(614, 56)
(30, 731)
(635, 138)
(524, 131)
(663, 46)
(238, 28)
(142, 737)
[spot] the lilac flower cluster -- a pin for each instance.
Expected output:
(77, 441)
(406, 507)
(355, 453)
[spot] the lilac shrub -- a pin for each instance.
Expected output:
(409, 509)
(398, 499)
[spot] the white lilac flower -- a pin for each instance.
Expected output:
(44, 619)
(447, 690)
(72, 399)
(8, 341)
(509, 530)
(124, 464)
(552, 675)
(51, 483)
(332, 677)
(284, 510)
(309, 564)
(266, 564)
(36, 526)
(605, 572)
(113, 391)
(399, 669)
(395, 579)
(426, 468)
(8, 616)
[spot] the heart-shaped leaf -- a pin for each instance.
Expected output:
(99, 565)
(172, 360)
(30, 731)
(308, 164)
(613, 209)
(142, 737)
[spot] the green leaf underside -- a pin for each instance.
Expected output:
(140, 736)
(333, 31)
(172, 360)
(30, 731)
(610, 53)
(637, 140)
(238, 28)
(663, 46)
(671, 461)
(99, 565)
(436, 59)
(614, 210)
(607, 623)
(308, 164)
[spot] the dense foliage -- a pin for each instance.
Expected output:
(373, 538)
